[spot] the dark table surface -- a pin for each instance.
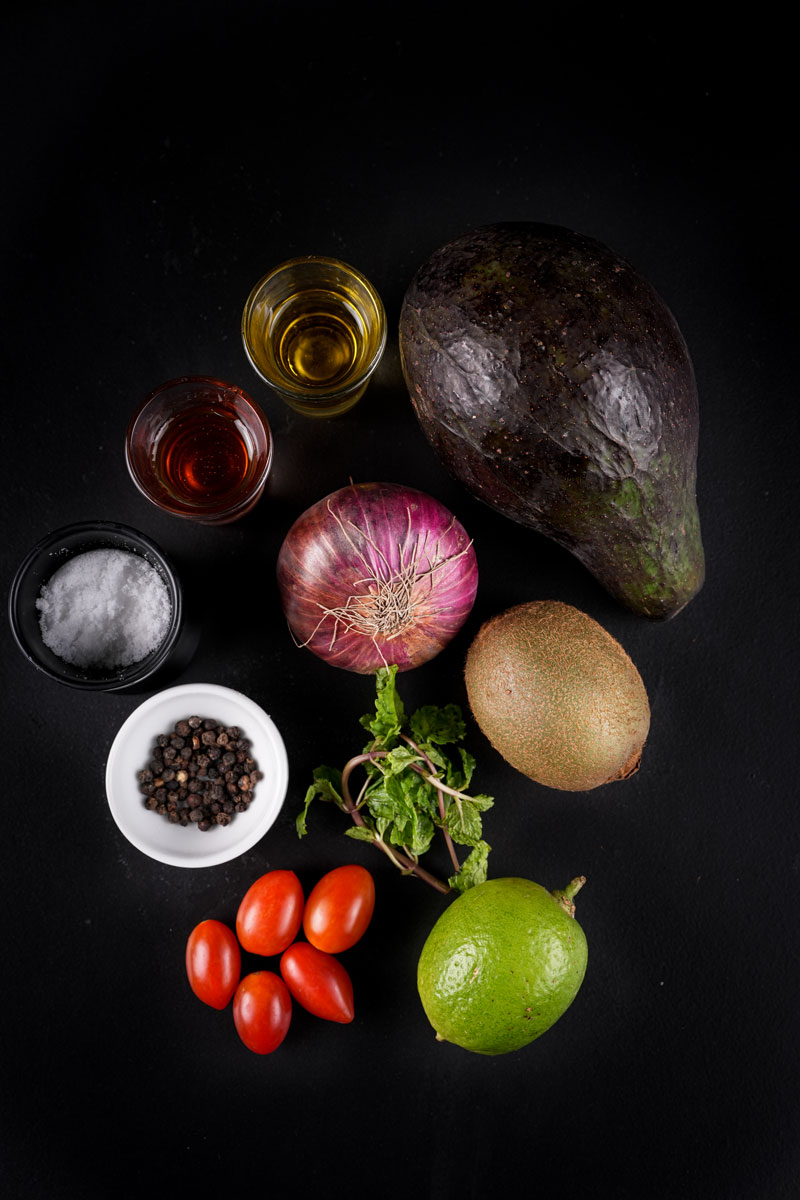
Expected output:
(156, 164)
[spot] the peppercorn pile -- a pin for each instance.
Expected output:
(200, 773)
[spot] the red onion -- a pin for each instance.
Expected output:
(376, 574)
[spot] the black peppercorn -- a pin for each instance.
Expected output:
(180, 782)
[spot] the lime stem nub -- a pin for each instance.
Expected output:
(566, 896)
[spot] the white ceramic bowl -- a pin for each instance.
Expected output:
(187, 846)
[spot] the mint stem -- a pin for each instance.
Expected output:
(437, 783)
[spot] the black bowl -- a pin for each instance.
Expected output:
(51, 553)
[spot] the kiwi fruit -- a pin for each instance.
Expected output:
(557, 696)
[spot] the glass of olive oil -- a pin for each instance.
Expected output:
(315, 329)
(199, 448)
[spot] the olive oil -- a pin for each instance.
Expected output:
(314, 329)
(320, 339)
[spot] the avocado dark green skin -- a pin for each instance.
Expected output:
(554, 383)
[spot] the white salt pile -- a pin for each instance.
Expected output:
(104, 609)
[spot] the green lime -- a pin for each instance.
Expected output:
(502, 964)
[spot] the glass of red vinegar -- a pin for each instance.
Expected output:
(199, 448)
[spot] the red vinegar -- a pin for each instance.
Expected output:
(203, 455)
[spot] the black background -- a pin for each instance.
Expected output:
(157, 160)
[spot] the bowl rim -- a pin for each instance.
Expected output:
(242, 833)
(127, 676)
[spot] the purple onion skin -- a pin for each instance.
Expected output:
(368, 540)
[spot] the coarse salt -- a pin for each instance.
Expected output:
(104, 609)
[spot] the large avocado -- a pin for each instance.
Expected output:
(554, 382)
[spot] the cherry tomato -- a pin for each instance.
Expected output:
(319, 982)
(339, 909)
(213, 963)
(270, 913)
(262, 1011)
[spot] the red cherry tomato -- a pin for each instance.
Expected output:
(262, 1011)
(319, 982)
(213, 963)
(270, 913)
(339, 909)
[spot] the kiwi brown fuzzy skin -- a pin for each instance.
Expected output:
(557, 696)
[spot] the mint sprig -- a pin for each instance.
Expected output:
(411, 788)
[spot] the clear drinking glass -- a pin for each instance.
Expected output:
(314, 329)
(199, 448)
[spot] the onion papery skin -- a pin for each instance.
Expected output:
(376, 574)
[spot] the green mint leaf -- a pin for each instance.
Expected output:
(397, 761)
(420, 795)
(482, 802)
(415, 833)
(422, 833)
(437, 726)
(383, 826)
(463, 821)
(467, 768)
(301, 824)
(389, 800)
(399, 806)
(473, 870)
(440, 761)
(326, 786)
(383, 806)
(386, 805)
(389, 716)
(361, 833)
